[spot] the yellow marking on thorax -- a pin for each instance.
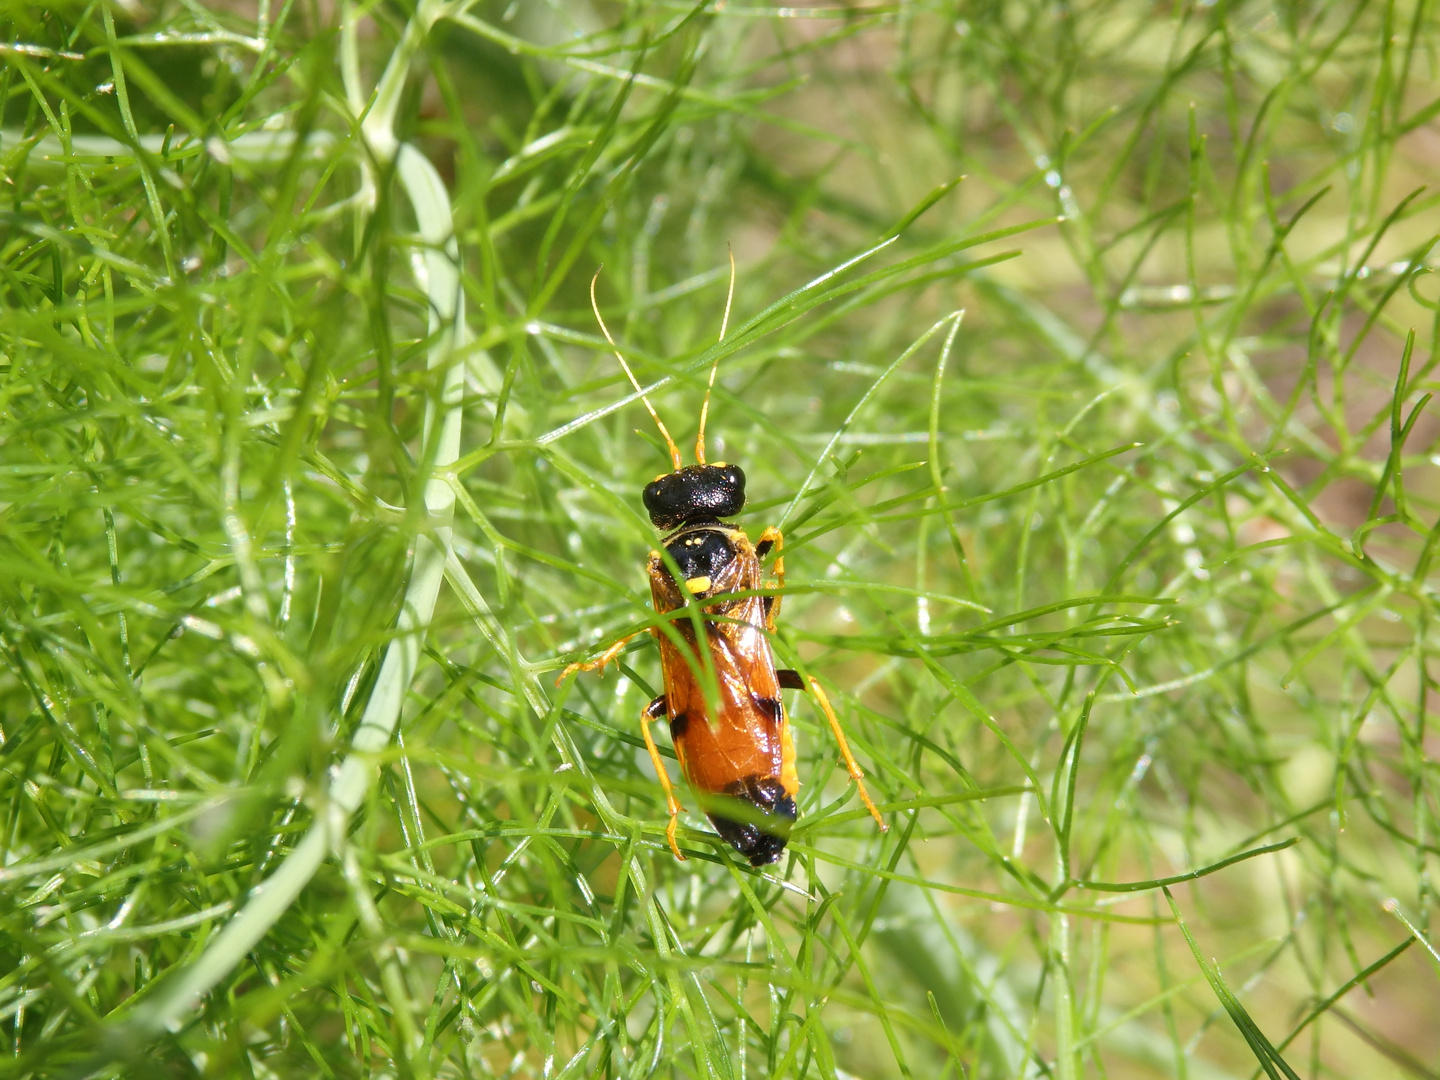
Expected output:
(698, 585)
(730, 532)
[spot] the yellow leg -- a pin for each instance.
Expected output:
(650, 712)
(854, 769)
(773, 537)
(600, 661)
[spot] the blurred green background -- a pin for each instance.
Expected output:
(1082, 350)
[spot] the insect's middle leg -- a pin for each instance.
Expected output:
(600, 661)
(654, 711)
(772, 537)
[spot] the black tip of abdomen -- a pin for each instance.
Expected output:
(762, 842)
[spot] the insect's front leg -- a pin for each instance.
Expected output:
(772, 538)
(600, 661)
(651, 712)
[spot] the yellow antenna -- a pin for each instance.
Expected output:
(595, 307)
(724, 322)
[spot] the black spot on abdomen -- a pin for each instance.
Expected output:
(771, 707)
(679, 724)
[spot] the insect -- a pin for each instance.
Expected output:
(738, 758)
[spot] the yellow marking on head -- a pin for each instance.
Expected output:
(721, 464)
(697, 585)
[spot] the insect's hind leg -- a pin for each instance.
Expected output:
(772, 538)
(654, 711)
(854, 769)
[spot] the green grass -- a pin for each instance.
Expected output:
(1105, 472)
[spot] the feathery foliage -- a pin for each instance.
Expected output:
(1081, 350)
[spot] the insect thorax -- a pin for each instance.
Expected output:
(702, 552)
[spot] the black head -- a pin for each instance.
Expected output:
(695, 493)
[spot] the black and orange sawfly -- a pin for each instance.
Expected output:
(738, 757)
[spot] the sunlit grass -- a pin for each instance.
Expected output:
(1083, 354)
